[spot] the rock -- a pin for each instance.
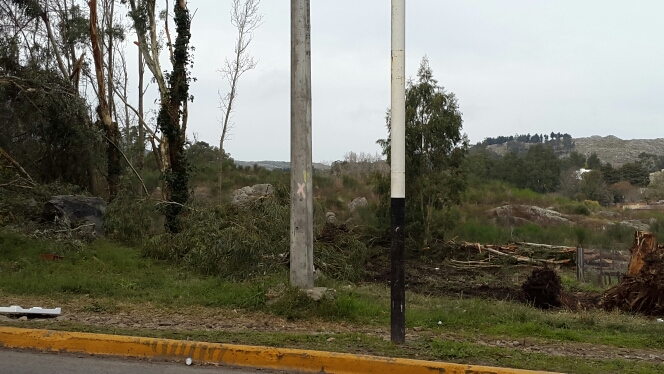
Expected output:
(251, 193)
(318, 274)
(636, 225)
(609, 214)
(24, 318)
(319, 293)
(357, 202)
(522, 214)
(329, 340)
(76, 209)
(331, 218)
(4, 318)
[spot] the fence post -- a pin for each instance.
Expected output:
(579, 263)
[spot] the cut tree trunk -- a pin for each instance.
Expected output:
(642, 289)
(644, 244)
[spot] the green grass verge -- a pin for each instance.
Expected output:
(108, 273)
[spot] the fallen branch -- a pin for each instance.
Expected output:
(130, 165)
(74, 229)
(564, 248)
(490, 249)
(17, 166)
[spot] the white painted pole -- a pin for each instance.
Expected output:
(398, 174)
(301, 223)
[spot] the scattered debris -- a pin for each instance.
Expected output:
(50, 256)
(562, 255)
(15, 309)
(543, 288)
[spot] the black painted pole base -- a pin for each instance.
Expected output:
(398, 295)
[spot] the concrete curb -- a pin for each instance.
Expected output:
(230, 354)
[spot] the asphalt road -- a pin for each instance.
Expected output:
(27, 362)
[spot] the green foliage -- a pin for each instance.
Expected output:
(20, 206)
(593, 187)
(593, 161)
(168, 120)
(538, 169)
(46, 128)
(542, 169)
(581, 209)
(634, 173)
(651, 162)
(577, 160)
(129, 217)
(244, 242)
(435, 150)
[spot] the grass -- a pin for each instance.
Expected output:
(108, 273)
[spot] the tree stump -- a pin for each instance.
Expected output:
(644, 244)
(641, 290)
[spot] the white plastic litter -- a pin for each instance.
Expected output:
(15, 309)
(188, 361)
(660, 320)
(440, 322)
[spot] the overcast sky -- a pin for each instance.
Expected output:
(581, 67)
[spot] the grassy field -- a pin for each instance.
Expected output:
(106, 276)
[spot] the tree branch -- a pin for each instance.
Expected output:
(130, 165)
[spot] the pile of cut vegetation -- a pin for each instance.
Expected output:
(250, 240)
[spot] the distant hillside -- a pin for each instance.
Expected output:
(610, 148)
(271, 165)
(616, 151)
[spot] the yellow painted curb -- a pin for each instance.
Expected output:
(229, 354)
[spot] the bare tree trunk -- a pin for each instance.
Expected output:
(246, 19)
(103, 109)
(141, 130)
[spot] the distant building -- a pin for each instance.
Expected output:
(579, 173)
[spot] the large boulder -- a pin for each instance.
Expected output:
(250, 193)
(76, 210)
(522, 214)
(357, 202)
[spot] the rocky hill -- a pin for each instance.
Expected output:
(616, 151)
(271, 165)
(610, 148)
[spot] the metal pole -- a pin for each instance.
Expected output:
(301, 224)
(398, 163)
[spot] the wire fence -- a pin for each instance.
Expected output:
(601, 266)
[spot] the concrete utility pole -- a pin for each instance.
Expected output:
(301, 224)
(398, 178)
